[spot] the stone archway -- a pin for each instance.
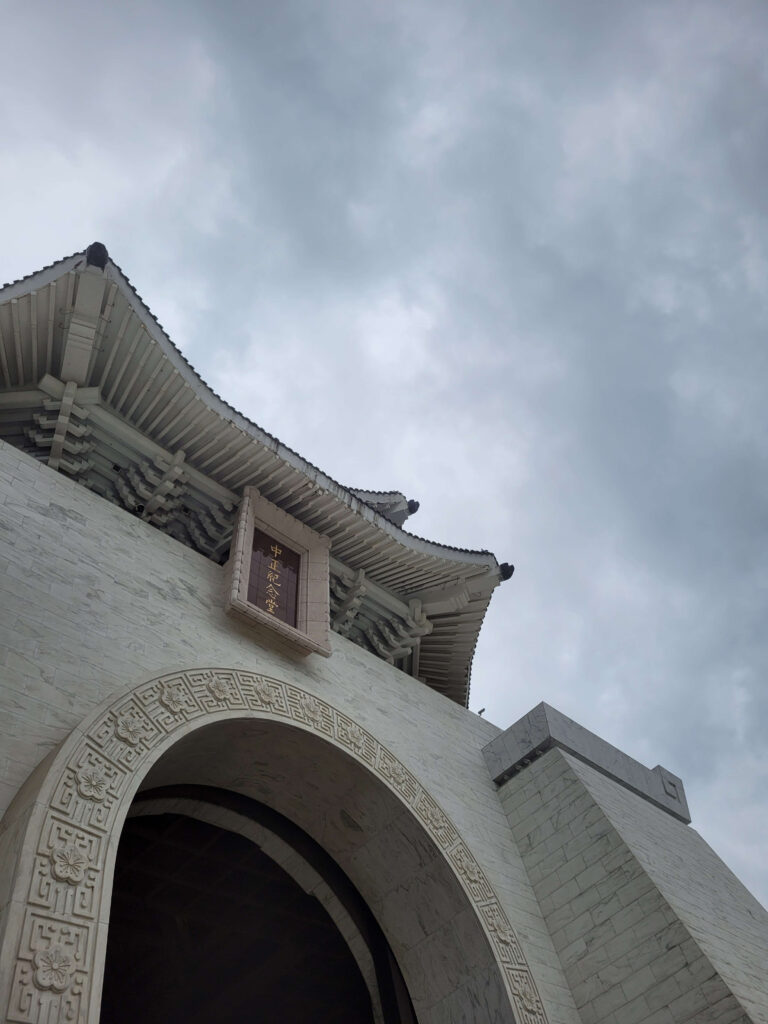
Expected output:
(64, 827)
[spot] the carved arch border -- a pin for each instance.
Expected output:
(70, 840)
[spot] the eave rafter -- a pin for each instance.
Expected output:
(373, 617)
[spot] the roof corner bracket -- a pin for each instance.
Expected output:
(349, 604)
(167, 488)
(63, 423)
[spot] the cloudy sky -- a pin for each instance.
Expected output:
(509, 258)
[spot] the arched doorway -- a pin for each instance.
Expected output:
(274, 742)
(361, 825)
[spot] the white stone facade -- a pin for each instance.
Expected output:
(559, 896)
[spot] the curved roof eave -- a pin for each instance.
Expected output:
(222, 409)
(454, 584)
(312, 473)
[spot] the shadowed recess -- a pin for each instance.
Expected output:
(214, 930)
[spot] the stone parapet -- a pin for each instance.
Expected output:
(544, 728)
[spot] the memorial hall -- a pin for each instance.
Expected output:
(240, 780)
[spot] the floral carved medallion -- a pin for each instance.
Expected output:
(220, 689)
(356, 738)
(267, 693)
(310, 710)
(129, 729)
(53, 969)
(171, 697)
(68, 864)
(92, 784)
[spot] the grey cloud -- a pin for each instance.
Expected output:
(508, 258)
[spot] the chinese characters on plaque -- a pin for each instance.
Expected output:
(274, 578)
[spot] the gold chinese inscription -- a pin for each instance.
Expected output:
(274, 579)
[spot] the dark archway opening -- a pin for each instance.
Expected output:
(204, 927)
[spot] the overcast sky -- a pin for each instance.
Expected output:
(509, 258)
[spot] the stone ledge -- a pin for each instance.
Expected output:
(544, 727)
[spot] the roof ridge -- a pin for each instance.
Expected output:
(42, 270)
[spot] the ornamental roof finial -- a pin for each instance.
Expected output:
(96, 255)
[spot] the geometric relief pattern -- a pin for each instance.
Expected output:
(55, 960)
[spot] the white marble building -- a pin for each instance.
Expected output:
(239, 778)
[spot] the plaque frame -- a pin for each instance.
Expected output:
(311, 634)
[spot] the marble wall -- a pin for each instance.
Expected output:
(96, 604)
